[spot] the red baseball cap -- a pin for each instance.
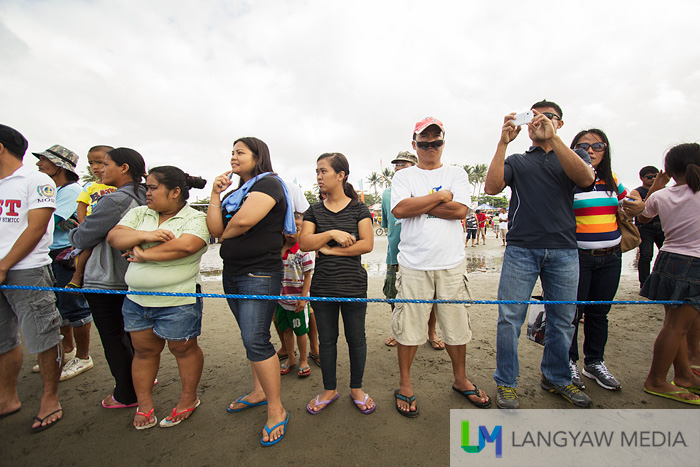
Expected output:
(425, 123)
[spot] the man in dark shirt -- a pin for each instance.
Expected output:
(541, 243)
(651, 233)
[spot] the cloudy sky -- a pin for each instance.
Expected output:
(180, 80)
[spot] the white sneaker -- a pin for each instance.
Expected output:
(66, 358)
(75, 367)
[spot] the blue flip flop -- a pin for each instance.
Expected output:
(246, 403)
(270, 430)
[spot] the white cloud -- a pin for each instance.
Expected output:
(179, 81)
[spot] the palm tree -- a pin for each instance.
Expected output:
(480, 171)
(387, 175)
(375, 180)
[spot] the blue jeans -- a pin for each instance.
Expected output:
(598, 279)
(354, 323)
(651, 234)
(254, 317)
(73, 307)
(170, 323)
(558, 272)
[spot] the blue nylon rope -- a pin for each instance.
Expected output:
(352, 299)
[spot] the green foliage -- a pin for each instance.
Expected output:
(87, 176)
(372, 198)
(495, 201)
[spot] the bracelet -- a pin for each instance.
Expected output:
(216, 205)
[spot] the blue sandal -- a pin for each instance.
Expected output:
(270, 430)
(246, 403)
(409, 400)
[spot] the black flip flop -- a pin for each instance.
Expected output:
(474, 392)
(41, 420)
(410, 400)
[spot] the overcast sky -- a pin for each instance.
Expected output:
(180, 80)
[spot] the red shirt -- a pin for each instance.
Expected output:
(481, 218)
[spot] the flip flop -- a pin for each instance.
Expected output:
(410, 400)
(282, 356)
(150, 424)
(671, 395)
(693, 389)
(390, 342)
(10, 413)
(315, 358)
(437, 344)
(304, 372)
(284, 368)
(474, 392)
(246, 403)
(270, 430)
(325, 404)
(364, 402)
(696, 369)
(118, 404)
(165, 423)
(39, 428)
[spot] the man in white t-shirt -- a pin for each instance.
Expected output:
(432, 199)
(27, 203)
(503, 224)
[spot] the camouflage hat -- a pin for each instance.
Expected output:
(405, 156)
(61, 157)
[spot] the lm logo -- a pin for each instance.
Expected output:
(484, 437)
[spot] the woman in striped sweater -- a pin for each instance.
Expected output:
(600, 258)
(340, 229)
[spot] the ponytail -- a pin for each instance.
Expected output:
(684, 159)
(339, 163)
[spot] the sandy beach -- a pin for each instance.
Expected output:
(341, 435)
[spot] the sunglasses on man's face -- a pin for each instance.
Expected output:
(552, 116)
(433, 144)
(650, 176)
(597, 147)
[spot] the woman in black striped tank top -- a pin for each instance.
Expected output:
(340, 229)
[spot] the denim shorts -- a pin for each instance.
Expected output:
(254, 317)
(675, 277)
(171, 323)
(32, 311)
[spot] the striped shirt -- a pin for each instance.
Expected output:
(296, 263)
(338, 276)
(596, 224)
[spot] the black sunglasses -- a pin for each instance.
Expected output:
(650, 176)
(433, 144)
(597, 147)
(551, 116)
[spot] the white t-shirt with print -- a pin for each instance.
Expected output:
(429, 243)
(24, 190)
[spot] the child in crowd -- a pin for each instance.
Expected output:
(92, 191)
(293, 314)
(676, 274)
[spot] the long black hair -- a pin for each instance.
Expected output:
(261, 154)
(172, 177)
(339, 163)
(130, 157)
(685, 159)
(604, 169)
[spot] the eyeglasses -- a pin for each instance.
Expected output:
(597, 147)
(400, 164)
(552, 116)
(433, 144)
(650, 176)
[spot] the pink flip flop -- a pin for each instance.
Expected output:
(118, 404)
(318, 402)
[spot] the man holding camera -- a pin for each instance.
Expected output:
(542, 181)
